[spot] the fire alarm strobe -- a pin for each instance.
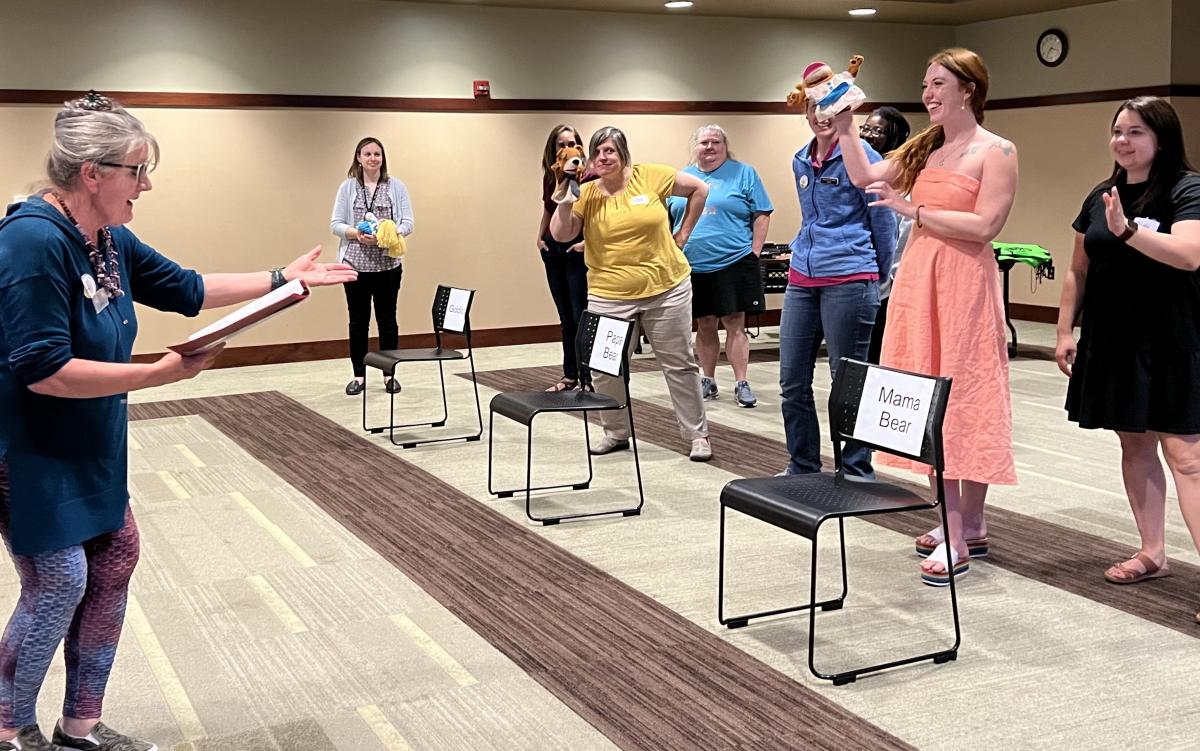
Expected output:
(483, 89)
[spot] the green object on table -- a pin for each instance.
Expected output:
(1034, 255)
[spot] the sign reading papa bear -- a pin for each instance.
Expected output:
(894, 409)
(609, 345)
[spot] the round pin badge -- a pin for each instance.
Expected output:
(89, 286)
(803, 182)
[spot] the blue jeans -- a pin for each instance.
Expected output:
(842, 315)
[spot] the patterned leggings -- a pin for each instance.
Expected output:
(79, 593)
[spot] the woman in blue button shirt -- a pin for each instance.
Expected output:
(70, 273)
(723, 252)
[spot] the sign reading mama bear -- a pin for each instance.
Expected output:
(894, 409)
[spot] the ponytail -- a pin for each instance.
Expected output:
(910, 158)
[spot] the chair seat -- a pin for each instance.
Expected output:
(386, 359)
(801, 503)
(523, 405)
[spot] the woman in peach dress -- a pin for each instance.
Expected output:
(946, 316)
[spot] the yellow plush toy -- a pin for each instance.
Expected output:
(390, 239)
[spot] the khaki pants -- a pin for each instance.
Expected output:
(666, 319)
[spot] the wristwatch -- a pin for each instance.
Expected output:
(277, 279)
(1130, 227)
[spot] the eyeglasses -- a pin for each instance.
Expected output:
(869, 130)
(139, 171)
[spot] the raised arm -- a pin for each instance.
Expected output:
(565, 224)
(226, 289)
(1069, 305)
(1179, 249)
(859, 168)
(696, 192)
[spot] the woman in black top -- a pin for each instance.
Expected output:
(1134, 278)
(565, 271)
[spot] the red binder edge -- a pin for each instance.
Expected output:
(233, 328)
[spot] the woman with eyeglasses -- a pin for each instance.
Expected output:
(1134, 279)
(886, 130)
(566, 272)
(369, 189)
(70, 273)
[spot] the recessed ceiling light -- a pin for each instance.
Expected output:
(862, 11)
(678, 4)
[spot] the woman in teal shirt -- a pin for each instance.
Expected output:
(723, 252)
(70, 273)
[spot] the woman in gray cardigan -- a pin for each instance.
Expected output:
(369, 190)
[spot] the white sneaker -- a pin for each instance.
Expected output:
(701, 450)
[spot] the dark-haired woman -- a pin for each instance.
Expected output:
(1134, 278)
(369, 189)
(566, 273)
(947, 316)
(886, 130)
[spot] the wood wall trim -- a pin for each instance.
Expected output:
(452, 104)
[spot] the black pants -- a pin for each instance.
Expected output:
(877, 332)
(382, 288)
(567, 277)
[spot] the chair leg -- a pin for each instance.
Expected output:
(850, 676)
(526, 489)
(738, 621)
(547, 520)
(445, 414)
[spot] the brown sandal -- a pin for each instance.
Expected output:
(1119, 573)
(564, 384)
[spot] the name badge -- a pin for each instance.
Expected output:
(100, 300)
(1147, 223)
(830, 181)
(803, 182)
(89, 285)
(639, 200)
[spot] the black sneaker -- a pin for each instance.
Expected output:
(31, 739)
(102, 738)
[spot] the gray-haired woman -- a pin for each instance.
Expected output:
(637, 270)
(69, 276)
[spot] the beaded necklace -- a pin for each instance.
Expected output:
(104, 263)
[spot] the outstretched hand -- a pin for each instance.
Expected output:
(316, 274)
(1114, 213)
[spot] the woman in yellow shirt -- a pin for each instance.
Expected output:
(637, 270)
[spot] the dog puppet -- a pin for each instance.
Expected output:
(830, 92)
(568, 171)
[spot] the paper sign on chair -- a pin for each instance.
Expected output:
(894, 409)
(610, 344)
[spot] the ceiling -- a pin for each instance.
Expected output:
(946, 12)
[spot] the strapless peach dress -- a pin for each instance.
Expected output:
(946, 318)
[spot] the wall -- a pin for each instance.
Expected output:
(245, 189)
(1121, 44)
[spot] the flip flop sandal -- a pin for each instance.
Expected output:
(1151, 570)
(977, 547)
(935, 579)
(564, 384)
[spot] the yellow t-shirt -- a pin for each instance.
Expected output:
(628, 247)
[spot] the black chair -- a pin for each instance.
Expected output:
(802, 503)
(451, 314)
(524, 406)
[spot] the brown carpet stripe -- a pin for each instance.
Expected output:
(643, 675)
(1046, 552)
